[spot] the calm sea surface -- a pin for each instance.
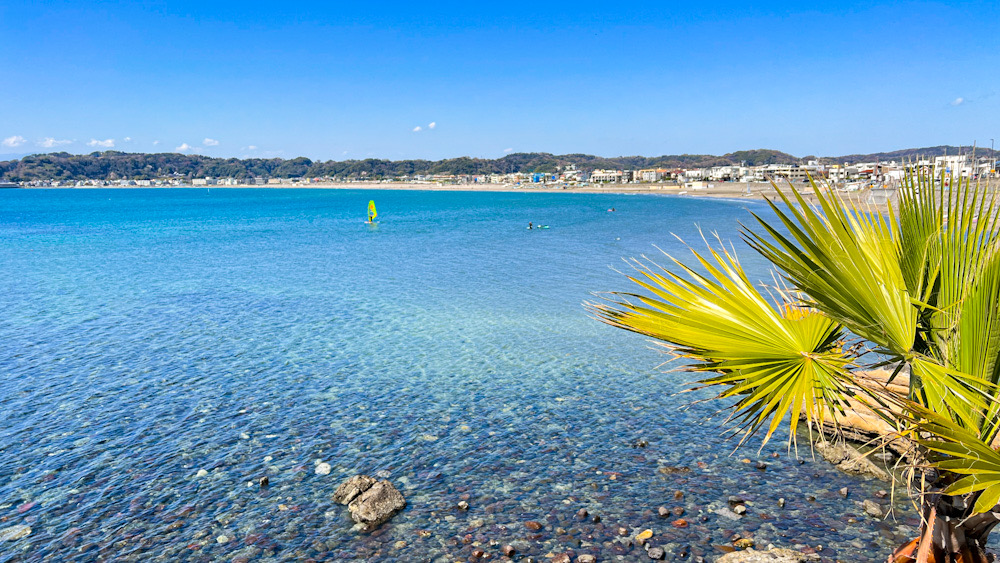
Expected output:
(149, 335)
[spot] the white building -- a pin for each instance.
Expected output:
(607, 176)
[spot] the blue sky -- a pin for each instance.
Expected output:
(338, 81)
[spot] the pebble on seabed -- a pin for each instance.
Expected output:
(323, 468)
(14, 532)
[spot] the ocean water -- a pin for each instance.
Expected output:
(162, 350)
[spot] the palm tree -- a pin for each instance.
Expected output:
(917, 287)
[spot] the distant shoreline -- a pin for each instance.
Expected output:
(727, 190)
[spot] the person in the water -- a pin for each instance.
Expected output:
(529, 225)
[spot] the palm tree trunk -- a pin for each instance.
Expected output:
(948, 534)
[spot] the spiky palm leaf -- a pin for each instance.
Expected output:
(776, 363)
(922, 283)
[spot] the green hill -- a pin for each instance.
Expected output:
(116, 165)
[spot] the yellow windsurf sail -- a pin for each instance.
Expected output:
(371, 211)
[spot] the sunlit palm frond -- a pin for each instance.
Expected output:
(774, 364)
(959, 450)
(844, 260)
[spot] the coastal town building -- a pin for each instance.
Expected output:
(610, 176)
(652, 175)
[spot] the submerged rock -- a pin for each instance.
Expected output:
(352, 487)
(850, 460)
(377, 504)
(14, 532)
(872, 508)
(773, 555)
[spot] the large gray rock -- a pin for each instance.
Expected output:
(773, 555)
(850, 460)
(351, 488)
(376, 505)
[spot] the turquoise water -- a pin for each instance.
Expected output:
(150, 334)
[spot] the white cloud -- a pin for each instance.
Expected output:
(958, 101)
(252, 147)
(49, 142)
(13, 141)
(156, 143)
(417, 128)
(210, 142)
(127, 139)
(432, 125)
(183, 147)
(508, 150)
(106, 143)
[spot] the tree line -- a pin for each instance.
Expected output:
(117, 165)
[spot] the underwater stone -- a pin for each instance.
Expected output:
(352, 487)
(656, 553)
(774, 555)
(533, 526)
(14, 532)
(872, 508)
(586, 558)
(663, 511)
(850, 460)
(377, 505)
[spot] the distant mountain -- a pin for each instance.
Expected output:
(116, 165)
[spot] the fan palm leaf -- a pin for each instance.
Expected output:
(777, 363)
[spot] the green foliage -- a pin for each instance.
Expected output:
(119, 165)
(921, 283)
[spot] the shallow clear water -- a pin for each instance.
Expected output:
(149, 334)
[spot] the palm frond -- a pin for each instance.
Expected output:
(959, 450)
(844, 259)
(775, 363)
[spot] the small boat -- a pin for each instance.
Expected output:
(371, 212)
